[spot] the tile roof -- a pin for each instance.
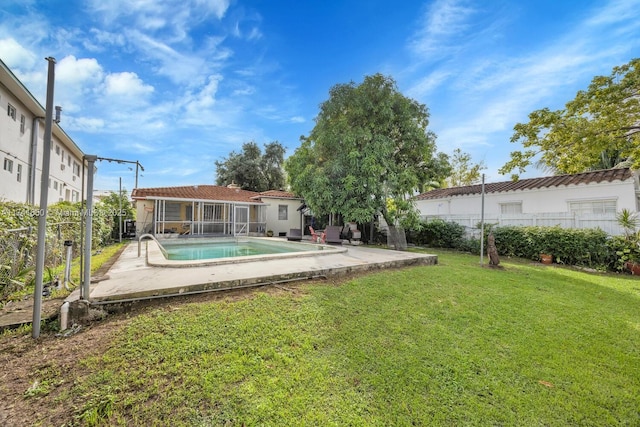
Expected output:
(608, 175)
(278, 194)
(198, 192)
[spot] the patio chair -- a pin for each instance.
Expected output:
(332, 234)
(315, 237)
(295, 234)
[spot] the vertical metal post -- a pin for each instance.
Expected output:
(120, 211)
(86, 284)
(44, 195)
(482, 226)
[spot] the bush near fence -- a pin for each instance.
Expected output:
(591, 248)
(18, 238)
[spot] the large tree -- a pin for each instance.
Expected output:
(601, 124)
(368, 152)
(251, 169)
(463, 171)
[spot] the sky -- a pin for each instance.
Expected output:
(179, 84)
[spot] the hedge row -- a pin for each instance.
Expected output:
(584, 247)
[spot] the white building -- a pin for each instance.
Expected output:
(585, 200)
(21, 148)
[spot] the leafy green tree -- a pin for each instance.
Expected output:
(369, 151)
(251, 169)
(115, 208)
(600, 125)
(463, 171)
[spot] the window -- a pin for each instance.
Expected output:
(214, 212)
(511, 208)
(75, 196)
(57, 149)
(172, 211)
(69, 161)
(55, 185)
(282, 212)
(76, 169)
(593, 207)
(23, 121)
(8, 165)
(11, 111)
(19, 173)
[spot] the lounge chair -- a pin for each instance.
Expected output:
(332, 234)
(295, 234)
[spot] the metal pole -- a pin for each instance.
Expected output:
(91, 159)
(482, 226)
(137, 166)
(44, 196)
(120, 212)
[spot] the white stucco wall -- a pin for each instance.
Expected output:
(279, 226)
(15, 145)
(542, 200)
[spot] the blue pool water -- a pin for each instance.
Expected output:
(208, 249)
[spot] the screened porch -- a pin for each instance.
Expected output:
(207, 217)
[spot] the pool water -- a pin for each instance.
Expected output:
(181, 250)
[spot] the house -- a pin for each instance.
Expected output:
(214, 210)
(584, 200)
(21, 148)
(282, 211)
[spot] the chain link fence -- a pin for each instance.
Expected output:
(18, 253)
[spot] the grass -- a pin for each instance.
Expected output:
(454, 344)
(97, 260)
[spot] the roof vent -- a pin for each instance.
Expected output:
(233, 185)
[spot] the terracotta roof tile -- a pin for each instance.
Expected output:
(278, 194)
(198, 192)
(531, 183)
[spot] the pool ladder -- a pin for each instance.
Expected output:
(152, 237)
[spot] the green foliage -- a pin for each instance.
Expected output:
(18, 238)
(370, 145)
(438, 233)
(463, 172)
(600, 123)
(584, 247)
(118, 208)
(253, 170)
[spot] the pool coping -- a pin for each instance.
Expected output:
(156, 258)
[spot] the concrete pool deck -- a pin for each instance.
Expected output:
(131, 279)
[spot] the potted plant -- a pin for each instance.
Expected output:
(546, 258)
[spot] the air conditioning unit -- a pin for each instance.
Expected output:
(62, 167)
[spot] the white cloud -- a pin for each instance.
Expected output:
(15, 55)
(78, 72)
(126, 84)
(175, 16)
(442, 20)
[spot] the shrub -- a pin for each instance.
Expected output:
(438, 234)
(585, 247)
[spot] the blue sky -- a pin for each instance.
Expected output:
(178, 84)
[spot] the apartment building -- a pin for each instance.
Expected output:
(21, 148)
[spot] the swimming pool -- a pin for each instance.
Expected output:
(189, 252)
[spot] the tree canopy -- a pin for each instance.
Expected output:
(599, 127)
(368, 152)
(253, 170)
(463, 171)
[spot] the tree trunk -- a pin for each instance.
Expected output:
(396, 238)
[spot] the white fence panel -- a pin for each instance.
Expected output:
(605, 222)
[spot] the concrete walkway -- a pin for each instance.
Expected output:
(130, 279)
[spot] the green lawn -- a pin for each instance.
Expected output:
(453, 344)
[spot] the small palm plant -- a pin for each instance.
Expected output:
(629, 221)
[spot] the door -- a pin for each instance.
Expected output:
(241, 220)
